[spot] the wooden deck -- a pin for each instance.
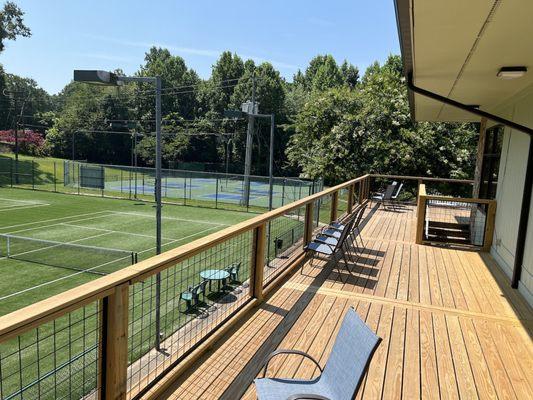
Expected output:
(451, 325)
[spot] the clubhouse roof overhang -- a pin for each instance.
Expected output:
(455, 49)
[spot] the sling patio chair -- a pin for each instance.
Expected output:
(320, 248)
(340, 378)
(332, 233)
(383, 197)
(394, 198)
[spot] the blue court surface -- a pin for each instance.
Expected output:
(226, 196)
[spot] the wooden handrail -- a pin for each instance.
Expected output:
(21, 320)
(422, 178)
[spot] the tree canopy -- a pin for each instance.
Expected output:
(330, 121)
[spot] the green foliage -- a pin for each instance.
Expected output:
(342, 133)
(11, 24)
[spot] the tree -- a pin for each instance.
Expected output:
(343, 133)
(11, 24)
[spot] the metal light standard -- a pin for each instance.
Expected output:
(111, 79)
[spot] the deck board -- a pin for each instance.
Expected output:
(451, 325)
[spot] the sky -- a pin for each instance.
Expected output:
(80, 34)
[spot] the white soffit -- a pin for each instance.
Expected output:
(459, 46)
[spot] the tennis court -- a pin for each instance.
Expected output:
(53, 242)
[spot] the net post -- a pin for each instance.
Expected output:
(55, 177)
(216, 193)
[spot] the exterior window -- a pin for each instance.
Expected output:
(491, 162)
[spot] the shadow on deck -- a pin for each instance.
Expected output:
(451, 325)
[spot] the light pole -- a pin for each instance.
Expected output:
(112, 79)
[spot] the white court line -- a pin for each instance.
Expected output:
(51, 220)
(98, 266)
(112, 231)
(197, 221)
(57, 224)
(57, 245)
(22, 201)
(22, 207)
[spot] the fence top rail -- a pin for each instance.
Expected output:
(422, 178)
(459, 199)
(24, 319)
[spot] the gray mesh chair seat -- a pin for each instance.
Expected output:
(339, 380)
(332, 232)
(326, 240)
(321, 248)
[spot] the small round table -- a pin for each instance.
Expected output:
(214, 275)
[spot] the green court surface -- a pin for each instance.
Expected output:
(38, 270)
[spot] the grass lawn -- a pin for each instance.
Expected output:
(59, 359)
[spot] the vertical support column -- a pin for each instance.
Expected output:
(361, 190)
(421, 214)
(479, 157)
(489, 225)
(308, 227)
(258, 262)
(351, 191)
(334, 206)
(114, 354)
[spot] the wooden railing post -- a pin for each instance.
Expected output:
(361, 190)
(489, 225)
(114, 352)
(258, 262)
(334, 206)
(421, 214)
(308, 226)
(351, 192)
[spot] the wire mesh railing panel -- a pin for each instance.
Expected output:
(284, 236)
(456, 222)
(56, 360)
(342, 204)
(177, 311)
(322, 210)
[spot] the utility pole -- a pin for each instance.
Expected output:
(248, 156)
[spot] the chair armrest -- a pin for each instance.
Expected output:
(297, 352)
(307, 397)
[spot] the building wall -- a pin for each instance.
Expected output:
(509, 195)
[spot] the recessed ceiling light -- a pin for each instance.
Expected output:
(511, 72)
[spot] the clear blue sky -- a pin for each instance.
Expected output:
(71, 34)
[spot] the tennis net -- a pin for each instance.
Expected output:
(72, 256)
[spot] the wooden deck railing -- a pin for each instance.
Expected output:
(102, 332)
(116, 312)
(455, 220)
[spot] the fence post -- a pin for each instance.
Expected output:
(11, 171)
(334, 206)
(421, 214)
(216, 193)
(258, 262)
(55, 177)
(32, 174)
(351, 191)
(308, 226)
(489, 226)
(114, 354)
(102, 179)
